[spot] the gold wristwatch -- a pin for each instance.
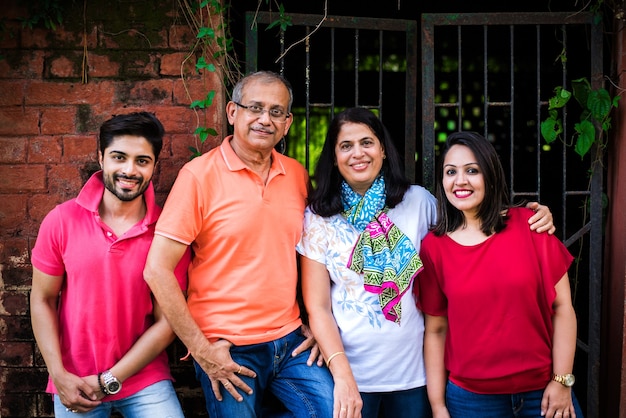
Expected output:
(564, 379)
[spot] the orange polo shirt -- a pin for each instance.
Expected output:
(243, 274)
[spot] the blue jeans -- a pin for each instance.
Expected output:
(306, 391)
(412, 403)
(466, 404)
(156, 400)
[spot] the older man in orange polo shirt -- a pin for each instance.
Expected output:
(240, 207)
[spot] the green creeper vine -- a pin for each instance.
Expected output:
(213, 45)
(595, 118)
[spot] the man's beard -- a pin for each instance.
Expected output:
(122, 194)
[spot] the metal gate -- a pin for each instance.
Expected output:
(491, 73)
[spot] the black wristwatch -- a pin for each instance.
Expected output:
(109, 383)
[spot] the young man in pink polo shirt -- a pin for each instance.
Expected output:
(240, 207)
(99, 331)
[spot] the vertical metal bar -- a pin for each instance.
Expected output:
(307, 82)
(428, 102)
(538, 102)
(332, 73)
(410, 113)
(282, 51)
(595, 252)
(459, 80)
(565, 135)
(485, 83)
(512, 112)
(356, 67)
(252, 43)
(380, 74)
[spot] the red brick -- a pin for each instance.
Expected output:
(190, 89)
(177, 119)
(151, 91)
(16, 354)
(22, 178)
(58, 120)
(18, 403)
(40, 204)
(13, 247)
(171, 64)
(58, 92)
(13, 211)
(19, 278)
(19, 121)
(180, 144)
(35, 38)
(142, 66)
(13, 150)
(60, 38)
(29, 65)
(102, 66)
(92, 38)
(14, 303)
(44, 149)
(64, 181)
(11, 92)
(181, 36)
(79, 148)
(64, 67)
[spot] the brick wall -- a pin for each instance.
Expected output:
(56, 88)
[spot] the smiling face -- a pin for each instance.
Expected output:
(128, 165)
(359, 156)
(259, 132)
(463, 180)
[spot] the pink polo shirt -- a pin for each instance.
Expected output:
(243, 276)
(105, 304)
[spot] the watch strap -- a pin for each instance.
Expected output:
(102, 388)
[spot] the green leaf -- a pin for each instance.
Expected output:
(197, 104)
(551, 129)
(560, 98)
(205, 32)
(599, 104)
(204, 133)
(209, 97)
(581, 88)
(586, 137)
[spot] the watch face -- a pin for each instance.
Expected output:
(569, 380)
(114, 387)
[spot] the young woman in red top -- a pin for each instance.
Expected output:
(500, 333)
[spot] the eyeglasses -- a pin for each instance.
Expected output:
(276, 115)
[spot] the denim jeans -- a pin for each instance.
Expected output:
(412, 403)
(462, 403)
(156, 400)
(306, 391)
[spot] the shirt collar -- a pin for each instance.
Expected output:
(234, 163)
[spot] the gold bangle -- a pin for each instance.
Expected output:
(332, 356)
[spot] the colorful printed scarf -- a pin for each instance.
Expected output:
(383, 253)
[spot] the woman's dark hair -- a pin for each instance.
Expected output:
(325, 199)
(142, 124)
(496, 191)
